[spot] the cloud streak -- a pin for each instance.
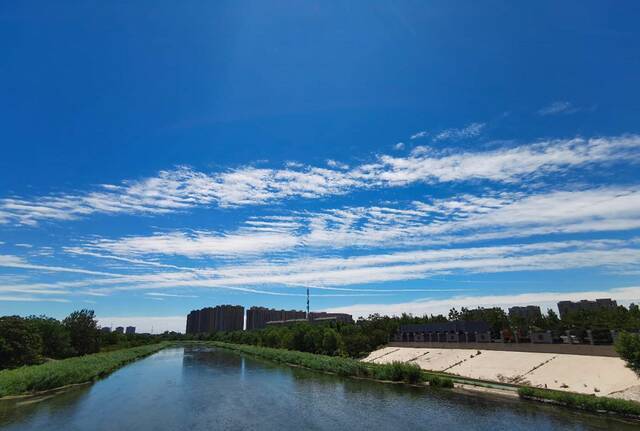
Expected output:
(184, 188)
(547, 300)
(459, 219)
(558, 108)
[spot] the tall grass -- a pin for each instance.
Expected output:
(80, 369)
(395, 371)
(582, 401)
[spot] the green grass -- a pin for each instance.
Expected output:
(80, 369)
(585, 402)
(395, 371)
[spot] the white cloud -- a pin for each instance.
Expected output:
(399, 266)
(559, 107)
(292, 164)
(461, 219)
(399, 146)
(420, 134)
(200, 244)
(184, 188)
(470, 131)
(170, 295)
(338, 165)
(30, 299)
(9, 261)
(547, 300)
(507, 165)
(333, 273)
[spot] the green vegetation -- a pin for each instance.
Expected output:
(396, 371)
(368, 334)
(35, 339)
(30, 340)
(339, 339)
(583, 402)
(628, 347)
(83, 331)
(19, 343)
(55, 374)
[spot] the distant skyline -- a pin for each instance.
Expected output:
(393, 157)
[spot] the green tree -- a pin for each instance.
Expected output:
(330, 341)
(628, 347)
(83, 329)
(20, 344)
(56, 342)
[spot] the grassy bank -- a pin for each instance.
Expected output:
(81, 369)
(397, 371)
(585, 402)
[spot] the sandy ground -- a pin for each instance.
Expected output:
(598, 375)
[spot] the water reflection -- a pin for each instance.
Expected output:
(201, 389)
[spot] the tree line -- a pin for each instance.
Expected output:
(35, 339)
(368, 334)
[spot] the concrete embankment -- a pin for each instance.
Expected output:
(598, 375)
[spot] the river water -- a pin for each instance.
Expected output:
(210, 389)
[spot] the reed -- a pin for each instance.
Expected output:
(59, 373)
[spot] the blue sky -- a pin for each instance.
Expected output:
(393, 156)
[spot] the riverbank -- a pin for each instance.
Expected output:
(395, 371)
(54, 375)
(535, 376)
(198, 388)
(589, 375)
(346, 367)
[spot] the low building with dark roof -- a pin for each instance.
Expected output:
(460, 331)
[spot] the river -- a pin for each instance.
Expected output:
(210, 389)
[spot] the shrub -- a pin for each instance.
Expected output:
(628, 347)
(398, 372)
(441, 382)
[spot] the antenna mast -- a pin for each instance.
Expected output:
(308, 315)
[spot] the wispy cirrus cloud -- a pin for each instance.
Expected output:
(455, 220)
(169, 295)
(195, 244)
(470, 131)
(335, 273)
(558, 108)
(7, 298)
(11, 261)
(184, 188)
(420, 134)
(547, 300)
(412, 264)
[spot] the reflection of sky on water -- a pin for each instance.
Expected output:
(202, 389)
